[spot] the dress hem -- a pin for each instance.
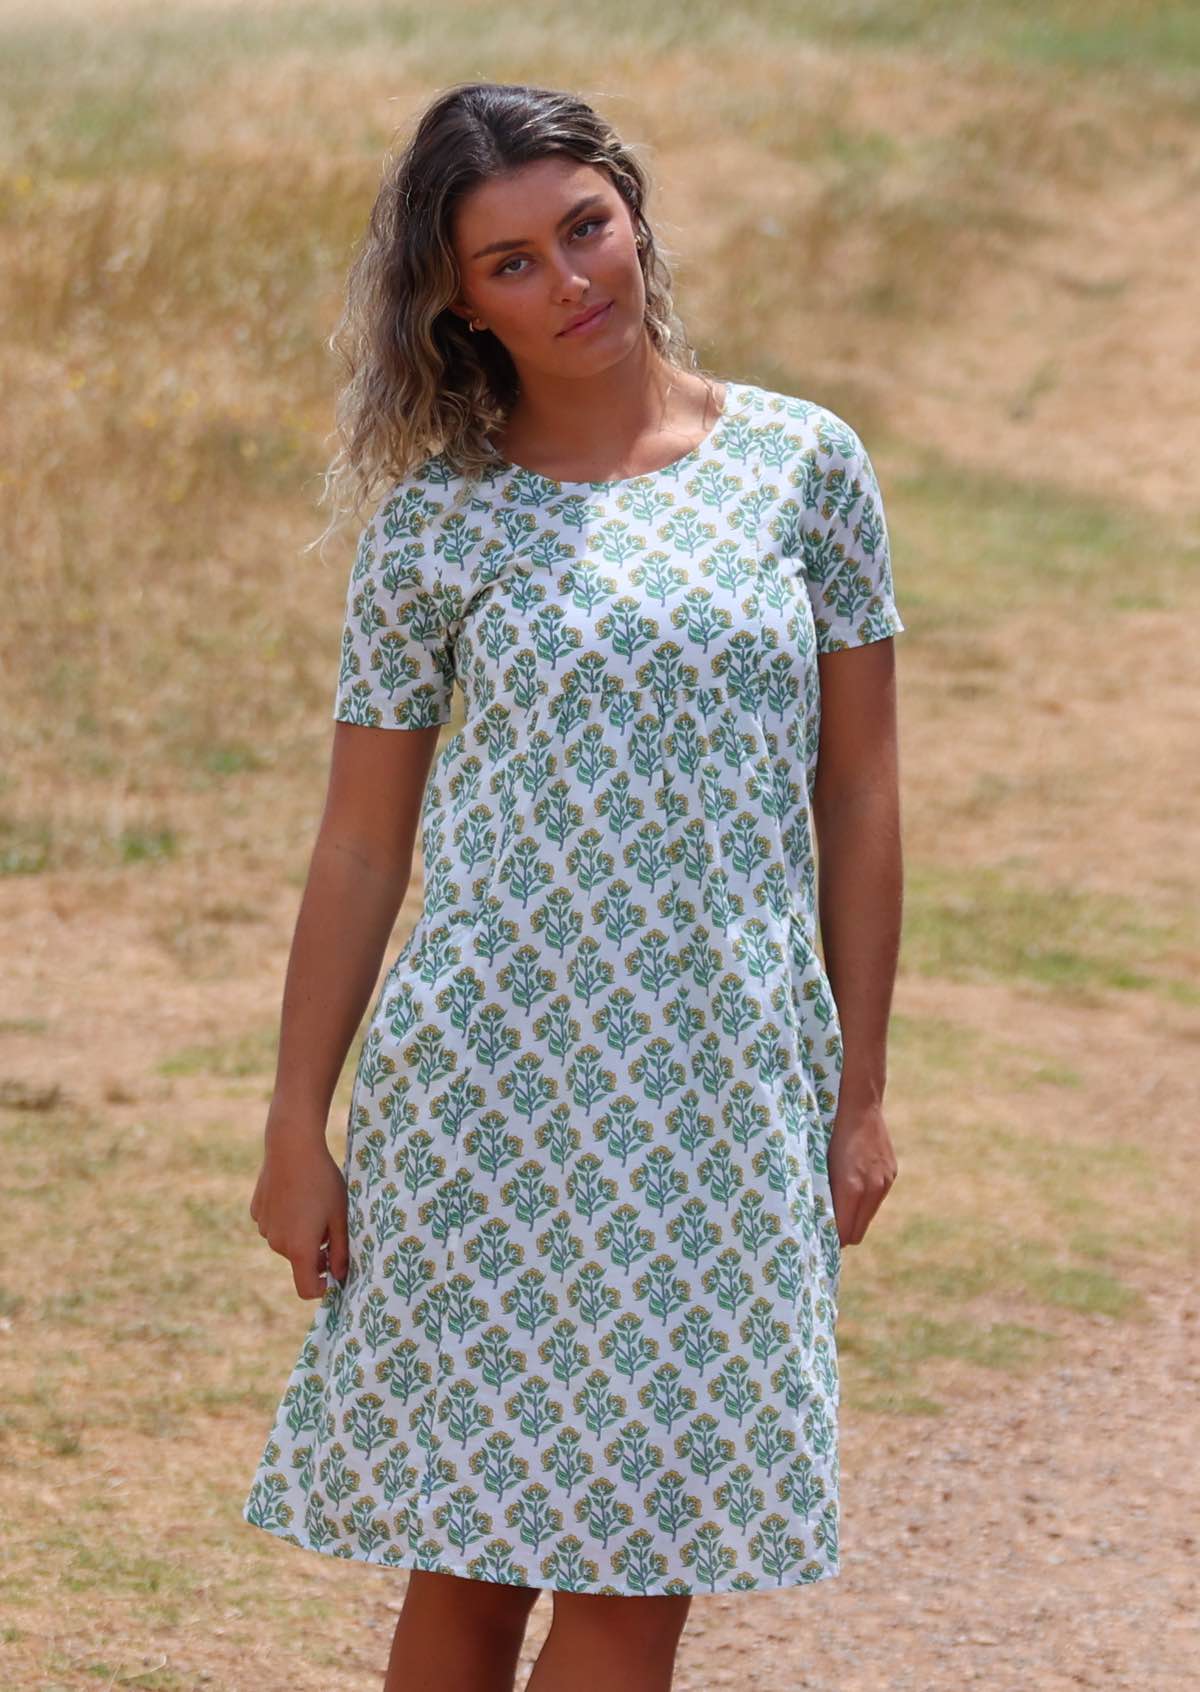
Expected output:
(411, 1560)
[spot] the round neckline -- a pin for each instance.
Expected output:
(732, 390)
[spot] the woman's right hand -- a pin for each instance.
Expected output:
(300, 1205)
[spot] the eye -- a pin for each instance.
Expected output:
(504, 270)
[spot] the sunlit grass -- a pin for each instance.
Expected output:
(251, 1053)
(157, 254)
(989, 544)
(1084, 35)
(29, 845)
(982, 922)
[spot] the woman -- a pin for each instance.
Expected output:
(614, 1118)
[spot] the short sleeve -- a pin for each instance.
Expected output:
(846, 551)
(397, 660)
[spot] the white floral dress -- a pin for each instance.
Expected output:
(586, 1340)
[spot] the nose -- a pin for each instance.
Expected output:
(571, 284)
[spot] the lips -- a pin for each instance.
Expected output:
(587, 317)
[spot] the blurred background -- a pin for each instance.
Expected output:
(971, 228)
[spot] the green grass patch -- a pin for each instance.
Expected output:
(1080, 1287)
(990, 544)
(85, 1563)
(914, 1338)
(912, 1308)
(250, 1053)
(1129, 36)
(26, 845)
(948, 1261)
(219, 1150)
(941, 1047)
(34, 845)
(138, 843)
(113, 82)
(986, 923)
(899, 1404)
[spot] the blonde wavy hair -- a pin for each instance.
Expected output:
(417, 380)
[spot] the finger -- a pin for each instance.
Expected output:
(306, 1275)
(338, 1250)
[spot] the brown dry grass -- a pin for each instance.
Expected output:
(975, 238)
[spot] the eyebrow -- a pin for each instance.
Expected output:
(526, 241)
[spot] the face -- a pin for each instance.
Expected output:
(537, 248)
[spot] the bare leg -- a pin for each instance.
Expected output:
(598, 1644)
(458, 1633)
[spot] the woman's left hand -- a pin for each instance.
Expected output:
(862, 1167)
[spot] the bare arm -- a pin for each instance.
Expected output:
(357, 880)
(856, 811)
(358, 876)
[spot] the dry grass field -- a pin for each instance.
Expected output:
(972, 227)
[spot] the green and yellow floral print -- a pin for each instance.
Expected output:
(587, 1336)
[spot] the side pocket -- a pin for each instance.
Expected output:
(829, 1246)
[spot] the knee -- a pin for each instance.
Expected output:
(641, 1629)
(476, 1604)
